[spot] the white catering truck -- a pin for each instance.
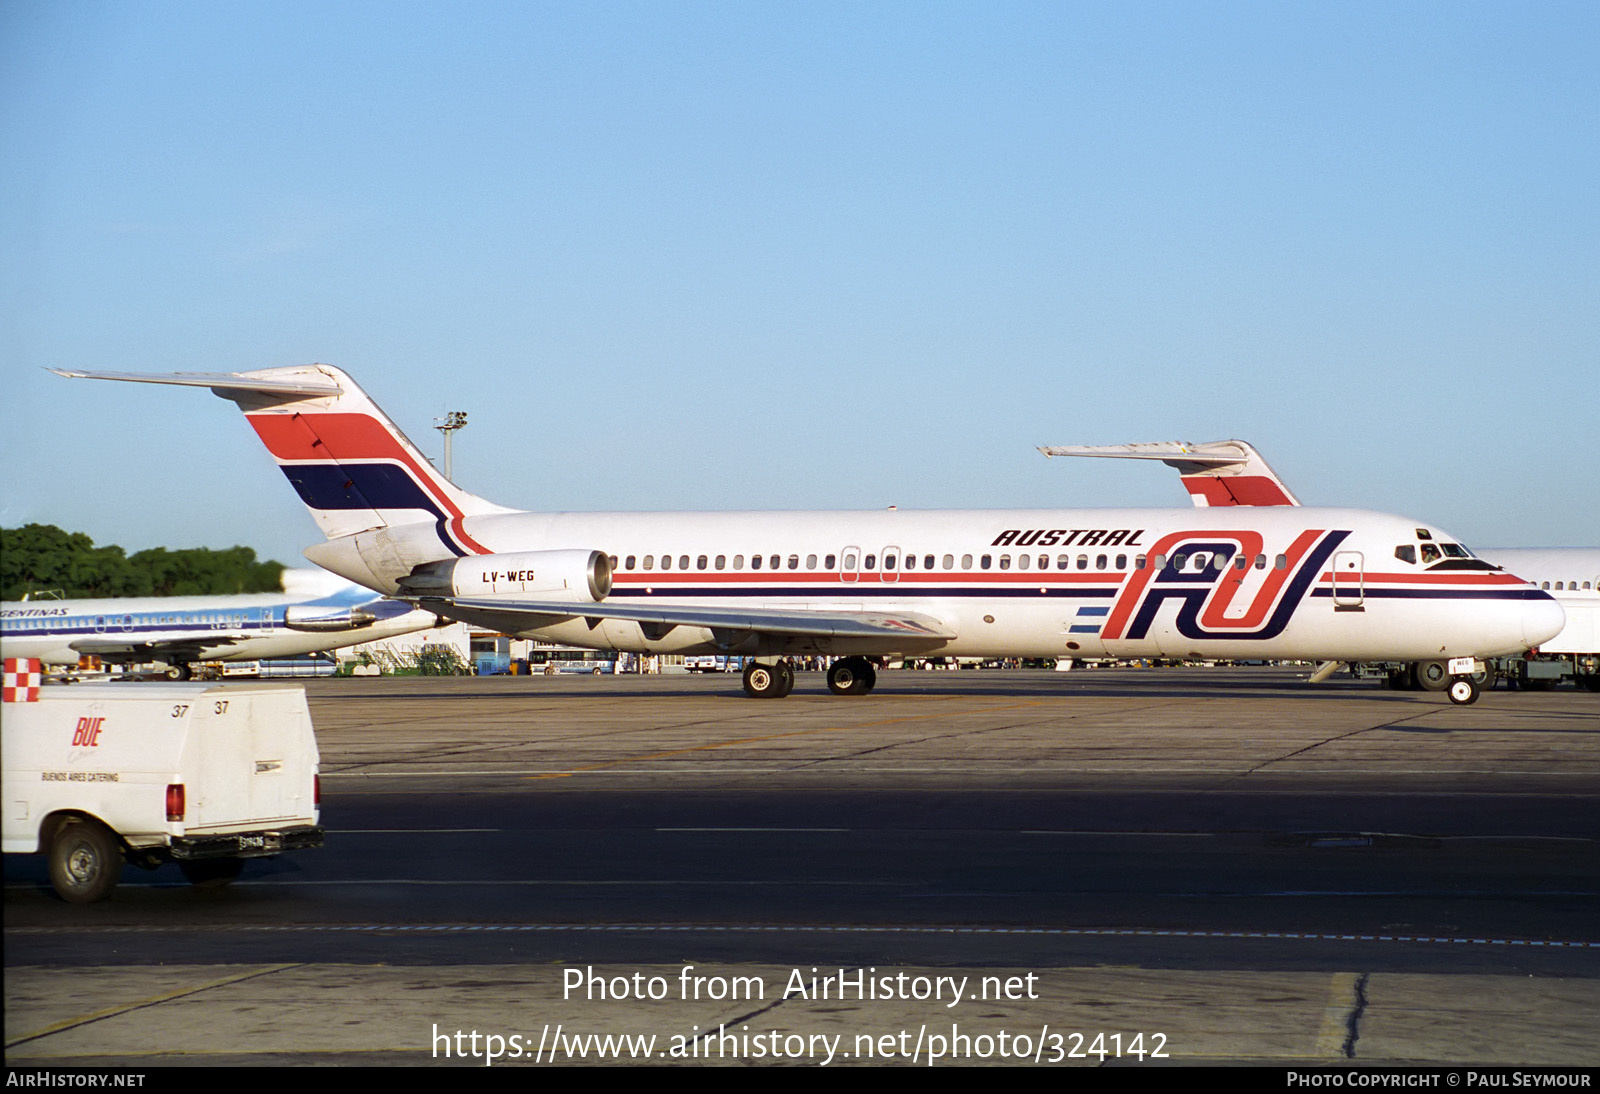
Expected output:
(204, 775)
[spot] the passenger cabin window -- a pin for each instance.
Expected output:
(966, 562)
(949, 562)
(985, 562)
(738, 562)
(666, 562)
(631, 560)
(701, 563)
(870, 562)
(811, 562)
(755, 562)
(927, 562)
(722, 562)
(774, 562)
(683, 562)
(1005, 562)
(1281, 563)
(794, 562)
(849, 561)
(649, 562)
(828, 562)
(889, 562)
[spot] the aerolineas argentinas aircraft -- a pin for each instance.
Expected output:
(177, 630)
(1331, 584)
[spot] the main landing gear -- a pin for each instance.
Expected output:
(852, 676)
(848, 676)
(763, 681)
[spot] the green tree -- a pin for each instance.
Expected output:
(41, 557)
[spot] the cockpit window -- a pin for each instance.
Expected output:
(1455, 550)
(1430, 553)
(1406, 553)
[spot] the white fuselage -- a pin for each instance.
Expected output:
(1284, 583)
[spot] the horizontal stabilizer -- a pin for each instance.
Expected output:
(351, 465)
(217, 381)
(1216, 473)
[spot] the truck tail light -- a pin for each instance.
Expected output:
(175, 802)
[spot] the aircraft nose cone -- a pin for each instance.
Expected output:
(1542, 620)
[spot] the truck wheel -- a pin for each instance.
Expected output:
(1433, 675)
(210, 873)
(85, 861)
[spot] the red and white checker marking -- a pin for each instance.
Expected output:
(23, 676)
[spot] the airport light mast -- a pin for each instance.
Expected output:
(454, 420)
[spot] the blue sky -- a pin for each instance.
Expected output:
(808, 255)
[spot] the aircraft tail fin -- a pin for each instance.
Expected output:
(1216, 473)
(351, 465)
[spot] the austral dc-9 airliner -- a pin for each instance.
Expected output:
(1258, 583)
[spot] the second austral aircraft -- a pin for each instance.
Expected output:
(1268, 583)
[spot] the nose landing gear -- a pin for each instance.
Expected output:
(1463, 691)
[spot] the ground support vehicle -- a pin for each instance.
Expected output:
(206, 776)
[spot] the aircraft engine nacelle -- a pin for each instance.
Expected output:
(308, 617)
(575, 576)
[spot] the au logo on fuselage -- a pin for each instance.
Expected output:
(1206, 593)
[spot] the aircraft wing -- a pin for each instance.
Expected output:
(108, 646)
(799, 622)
